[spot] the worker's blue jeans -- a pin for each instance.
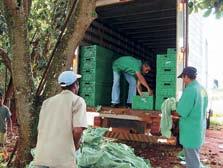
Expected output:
(116, 87)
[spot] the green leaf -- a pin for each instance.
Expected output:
(94, 14)
(190, 10)
(207, 12)
(203, 5)
(195, 9)
(190, 4)
(218, 14)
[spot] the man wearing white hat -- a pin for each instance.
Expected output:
(61, 123)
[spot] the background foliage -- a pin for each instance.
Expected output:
(209, 7)
(44, 26)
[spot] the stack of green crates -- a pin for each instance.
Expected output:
(96, 71)
(165, 77)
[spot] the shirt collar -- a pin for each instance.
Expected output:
(192, 83)
(66, 91)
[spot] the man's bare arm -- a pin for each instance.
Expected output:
(77, 133)
(143, 82)
(139, 88)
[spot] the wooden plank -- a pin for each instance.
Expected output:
(120, 116)
(148, 116)
(140, 137)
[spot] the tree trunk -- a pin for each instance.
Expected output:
(16, 18)
(16, 15)
(80, 19)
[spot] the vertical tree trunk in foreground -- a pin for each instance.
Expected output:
(16, 13)
(16, 17)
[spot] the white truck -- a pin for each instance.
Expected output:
(144, 29)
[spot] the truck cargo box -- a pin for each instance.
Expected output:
(146, 30)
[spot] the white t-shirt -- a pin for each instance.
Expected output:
(58, 116)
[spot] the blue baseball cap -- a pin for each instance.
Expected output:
(67, 78)
(189, 71)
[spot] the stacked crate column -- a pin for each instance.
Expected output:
(166, 77)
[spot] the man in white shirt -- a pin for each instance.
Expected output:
(61, 123)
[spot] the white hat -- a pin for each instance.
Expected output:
(67, 78)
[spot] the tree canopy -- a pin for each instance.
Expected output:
(209, 7)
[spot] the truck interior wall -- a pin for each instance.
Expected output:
(105, 36)
(140, 28)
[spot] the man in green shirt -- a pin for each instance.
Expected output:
(131, 68)
(192, 108)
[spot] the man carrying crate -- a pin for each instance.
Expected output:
(132, 69)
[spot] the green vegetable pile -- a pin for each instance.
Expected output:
(99, 152)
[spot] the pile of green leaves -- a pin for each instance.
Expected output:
(98, 152)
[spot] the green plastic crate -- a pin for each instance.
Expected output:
(98, 61)
(87, 63)
(166, 71)
(96, 57)
(88, 86)
(166, 63)
(142, 103)
(95, 50)
(94, 99)
(168, 78)
(165, 57)
(88, 51)
(160, 100)
(94, 92)
(166, 92)
(166, 84)
(97, 75)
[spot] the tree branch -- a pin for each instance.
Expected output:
(27, 6)
(5, 59)
(78, 23)
(9, 92)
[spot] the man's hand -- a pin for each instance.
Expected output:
(174, 113)
(150, 92)
(77, 133)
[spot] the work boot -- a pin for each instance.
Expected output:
(129, 105)
(114, 105)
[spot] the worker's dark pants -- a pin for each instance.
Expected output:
(192, 158)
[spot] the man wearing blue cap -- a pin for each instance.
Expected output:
(61, 123)
(192, 108)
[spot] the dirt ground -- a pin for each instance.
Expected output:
(212, 151)
(166, 156)
(163, 156)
